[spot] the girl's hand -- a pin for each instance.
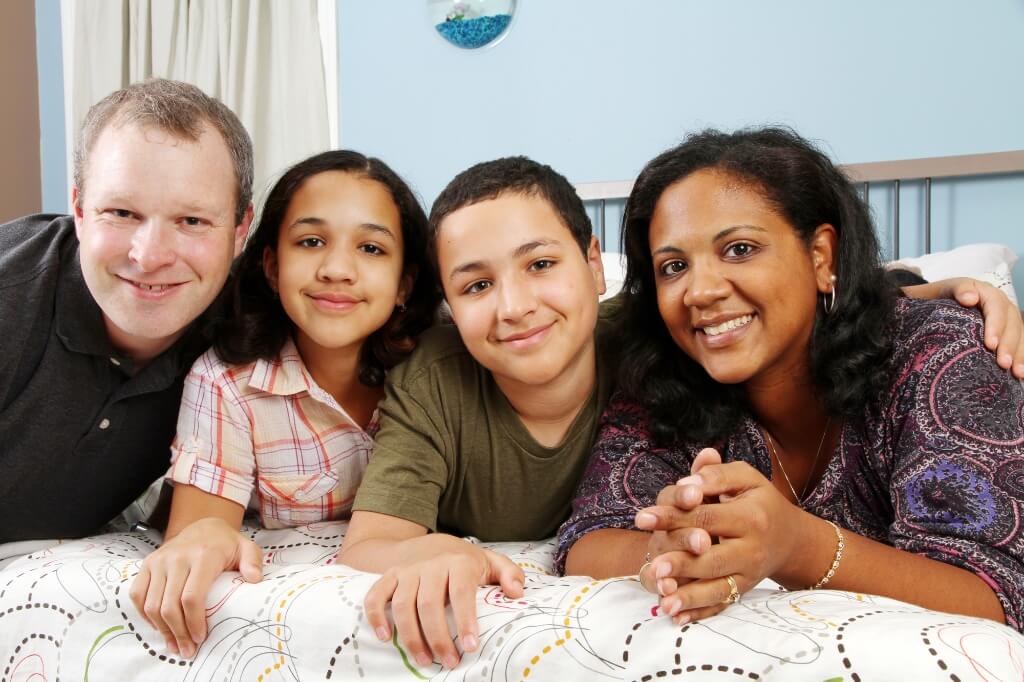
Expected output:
(171, 587)
(759, 531)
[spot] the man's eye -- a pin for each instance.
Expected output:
(192, 221)
(542, 264)
(120, 213)
(672, 267)
(477, 287)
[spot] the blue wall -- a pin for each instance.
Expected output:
(53, 148)
(598, 87)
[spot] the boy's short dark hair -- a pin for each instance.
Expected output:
(512, 175)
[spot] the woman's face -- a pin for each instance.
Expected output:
(736, 286)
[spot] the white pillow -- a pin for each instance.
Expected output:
(990, 263)
(614, 272)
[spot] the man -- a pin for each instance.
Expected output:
(99, 310)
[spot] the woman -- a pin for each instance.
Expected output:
(871, 443)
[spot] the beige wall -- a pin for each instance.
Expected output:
(19, 111)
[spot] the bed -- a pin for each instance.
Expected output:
(64, 611)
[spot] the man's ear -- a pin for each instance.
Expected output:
(242, 231)
(823, 255)
(596, 265)
(76, 209)
(270, 267)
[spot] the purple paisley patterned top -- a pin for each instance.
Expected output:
(938, 470)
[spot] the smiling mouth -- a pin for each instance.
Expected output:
(526, 337)
(150, 288)
(729, 325)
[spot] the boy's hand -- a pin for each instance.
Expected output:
(170, 589)
(419, 591)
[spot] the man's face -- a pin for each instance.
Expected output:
(522, 294)
(156, 223)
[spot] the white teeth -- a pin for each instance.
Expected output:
(728, 325)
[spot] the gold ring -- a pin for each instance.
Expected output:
(734, 591)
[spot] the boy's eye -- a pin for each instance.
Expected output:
(310, 242)
(477, 287)
(740, 250)
(672, 267)
(542, 264)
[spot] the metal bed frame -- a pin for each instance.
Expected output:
(864, 174)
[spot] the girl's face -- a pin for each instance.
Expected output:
(736, 286)
(338, 262)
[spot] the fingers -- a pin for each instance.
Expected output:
(250, 562)
(139, 589)
(718, 561)
(431, 599)
(506, 573)
(689, 539)
(700, 598)
(705, 457)
(407, 621)
(375, 604)
(172, 609)
(152, 607)
(192, 597)
(713, 519)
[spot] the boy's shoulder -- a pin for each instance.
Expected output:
(439, 352)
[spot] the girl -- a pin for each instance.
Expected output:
(872, 442)
(331, 291)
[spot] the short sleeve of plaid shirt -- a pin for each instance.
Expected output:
(213, 447)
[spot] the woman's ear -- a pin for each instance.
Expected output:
(823, 254)
(270, 267)
(405, 285)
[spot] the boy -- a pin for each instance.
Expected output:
(503, 408)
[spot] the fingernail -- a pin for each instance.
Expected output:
(188, 651)
(691, 480)
(382, 633)
(682, 619)
(423, 660)
(662, 569)
(644, 519)
(451, 661)
(695, 543)
(670, 606)
(173, 647)
(470, 642)
(198, 638)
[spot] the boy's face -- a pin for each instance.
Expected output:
(521, 291)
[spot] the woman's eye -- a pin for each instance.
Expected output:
(311, 242)
(477, 287)
(740, 250)
(372, 249)
(672, 267)
(542, 264)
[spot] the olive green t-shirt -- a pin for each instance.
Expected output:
(452, 455)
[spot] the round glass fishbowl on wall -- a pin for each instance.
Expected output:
(471, 24)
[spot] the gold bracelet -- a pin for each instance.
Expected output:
(840, 546)
(640, 573)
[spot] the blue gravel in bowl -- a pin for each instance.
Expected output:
(476, 32)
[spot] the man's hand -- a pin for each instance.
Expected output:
(170, 589)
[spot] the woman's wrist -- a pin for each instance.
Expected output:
(812, 555)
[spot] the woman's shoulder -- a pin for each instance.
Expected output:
(926, 327)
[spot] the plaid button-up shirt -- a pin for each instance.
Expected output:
(265, 435)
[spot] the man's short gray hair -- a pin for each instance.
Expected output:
(177, 108)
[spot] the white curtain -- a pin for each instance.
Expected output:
(265, 59)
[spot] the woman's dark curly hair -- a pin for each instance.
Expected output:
(849, 349)
(253, 323)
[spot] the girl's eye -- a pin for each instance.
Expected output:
(740, 250)
(477, 287)
(542, 264)
(311, 242)
(672, 267)
(372, 249)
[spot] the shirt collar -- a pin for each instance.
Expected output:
(286, 374)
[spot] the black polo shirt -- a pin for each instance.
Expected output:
(81, 433)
